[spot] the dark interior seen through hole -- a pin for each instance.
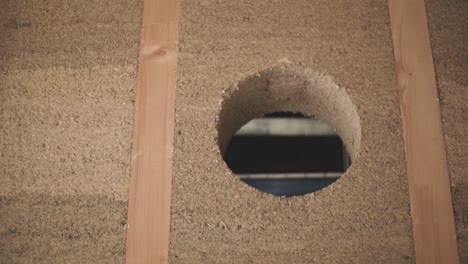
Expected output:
(287, 154)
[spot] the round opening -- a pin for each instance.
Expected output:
(287, 131)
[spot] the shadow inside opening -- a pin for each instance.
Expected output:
(287, 154)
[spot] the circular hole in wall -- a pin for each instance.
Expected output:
(287, 154)
(288, 131)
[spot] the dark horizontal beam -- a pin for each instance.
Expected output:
(283, 154)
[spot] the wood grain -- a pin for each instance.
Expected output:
(150, 187)
(429, 183)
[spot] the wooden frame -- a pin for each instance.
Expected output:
(150, 187)
(429, 183)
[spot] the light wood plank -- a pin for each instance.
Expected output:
(150, 187)
(429, 183)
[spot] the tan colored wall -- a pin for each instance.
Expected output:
(67, 88)
(67, 80)
(364, 217)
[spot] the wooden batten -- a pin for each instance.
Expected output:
(429, 183)
(150, 189)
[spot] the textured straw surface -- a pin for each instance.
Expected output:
(67, 81)
(67, 88)
(226, 46)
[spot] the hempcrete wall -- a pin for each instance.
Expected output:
(67, 71)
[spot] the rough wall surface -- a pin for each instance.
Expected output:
(365, 216)
(448, 24)
(67, 81)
